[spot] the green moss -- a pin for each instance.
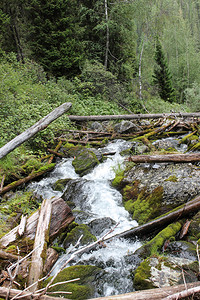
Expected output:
(146, 208)
(84, 162)
(32, 164)
(60, 184)
(47, 167)
(194, 147)
(116, 183)
(129, 206)
(73, 236)
(23, 202)
(155, 245)
(172, 178)
(188, 138)
(81, 289)
(141, 277)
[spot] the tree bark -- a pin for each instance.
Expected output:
(155, 294)
(40, 125)
(132, 116)
(179, 158)
(40, 244)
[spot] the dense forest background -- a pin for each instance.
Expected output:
(106, 57)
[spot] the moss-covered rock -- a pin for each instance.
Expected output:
(60, 184)
(81, 289)
(194, 229)
(84, 162)
(142, 205)
(141, 278)
(73, 236)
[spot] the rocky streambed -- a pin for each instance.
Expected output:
(101, 187)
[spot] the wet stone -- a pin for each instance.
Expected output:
(99, 226)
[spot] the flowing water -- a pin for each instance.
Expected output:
(98, 199)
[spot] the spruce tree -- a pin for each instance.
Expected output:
(162, 77)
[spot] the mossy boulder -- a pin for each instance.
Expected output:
(73, 236)
(85, 162)
(60, 184)
(143, 206)
(157, 271)
(84, 288)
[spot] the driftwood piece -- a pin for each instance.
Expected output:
(41, 239)
(30, 132)
(28, 178)
(133, 116)
(155, 294)
(22, 225)
(61, 217)
(165, 158)
(26, 295)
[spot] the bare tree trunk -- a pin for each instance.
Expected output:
(155, 294)
(107, 35)
(140, 72)
(40, 125)
(133, 116)
(179, 158)
(40, 244)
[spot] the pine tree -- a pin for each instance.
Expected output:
(162, 76)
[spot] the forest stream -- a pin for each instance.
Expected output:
(97, 202)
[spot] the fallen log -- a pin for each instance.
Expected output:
(156, 294)
(40, 244)
(30, 177)
(165, 158)
(26, 295)
(30, 132)
(133, 116)
(56, 153)
(61, 217)
(8, 256)
(180, 212)
(56, 150)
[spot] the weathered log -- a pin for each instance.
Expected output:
(165, 158)
(181, 212)
(26, 295)
(8, 256)
(61, 217)
(30, 177)
(52, 256)
(133, 116)
(156, 294)
(30, 132)
(40, 243)
(56, 153)
(56, 150)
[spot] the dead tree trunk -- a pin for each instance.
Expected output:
(179, 158)
(132, 117)
(40, 125)
(155, 294)
(190, 207)
(40, 244)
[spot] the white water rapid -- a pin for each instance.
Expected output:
(102, 201)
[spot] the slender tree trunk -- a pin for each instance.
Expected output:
(140, 71)
(107, 35)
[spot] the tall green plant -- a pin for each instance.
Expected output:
(162, 76)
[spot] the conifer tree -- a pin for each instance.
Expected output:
(162, 76)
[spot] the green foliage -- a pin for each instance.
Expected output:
(192, 96)
(162, 77)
